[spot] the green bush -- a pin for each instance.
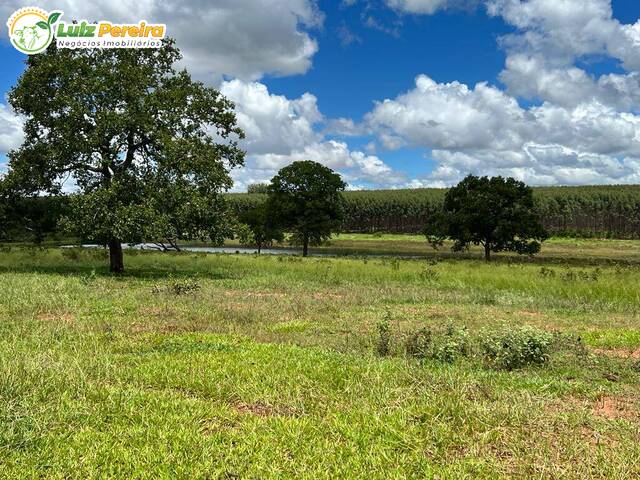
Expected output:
(418, 344)
(383, 346)
(512, 348)
(451, 344)
(177, 287)
(445, 343)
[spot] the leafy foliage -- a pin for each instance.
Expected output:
(304, 198)
(496, 213)
(512, 348)
(383, 345)
(445, 344)
(261, 229)
(135, 135)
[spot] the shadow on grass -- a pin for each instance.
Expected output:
(88, 263)
(130, 273)
(496, 258)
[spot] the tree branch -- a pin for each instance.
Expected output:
(132, 148)
(82, 166)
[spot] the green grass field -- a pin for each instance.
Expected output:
(239, 366)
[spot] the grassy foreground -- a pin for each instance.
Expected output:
(236, 366)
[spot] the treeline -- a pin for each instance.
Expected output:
(587, 211)
(33, 219)
(590, 211)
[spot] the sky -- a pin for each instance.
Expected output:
(403, 93)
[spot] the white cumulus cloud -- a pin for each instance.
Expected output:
(281, 130)
(484, 130)
(429, 7)
(10, 129)
(237, 38)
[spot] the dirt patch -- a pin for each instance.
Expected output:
(261, 409)
(611, 407)
(596, 438)
(615, 407)
(618, 352)
(67, 318)
(565, 405)
(255, 409)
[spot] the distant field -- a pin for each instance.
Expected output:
(554, 250)
(239, 366)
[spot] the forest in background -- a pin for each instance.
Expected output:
(584, 211)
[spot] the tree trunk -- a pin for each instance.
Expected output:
(116, 258)
(259, 247)
(487, 252)
(305, 245)
(174, 245)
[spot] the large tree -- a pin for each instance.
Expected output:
(497, 213)
(149, 148)
(305, 199)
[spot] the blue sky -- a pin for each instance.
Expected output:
(454, 45)
(385, 91)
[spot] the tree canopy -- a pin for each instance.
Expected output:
(305, 199)
(148, 148)
(497, 213)
(261, 229)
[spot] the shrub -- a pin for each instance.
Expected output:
(384, 337)
(547, 272)
(510, 348)
(451, 344)
(178, 287)
(573, 275)
(445, 344)
(417, 344)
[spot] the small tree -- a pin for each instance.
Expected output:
(149, 149)
(260, 228)
(496, 213)
(305, 198)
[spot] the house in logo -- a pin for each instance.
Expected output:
(31, 29)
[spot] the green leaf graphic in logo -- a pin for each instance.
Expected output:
(53, 17)
(31, 29)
